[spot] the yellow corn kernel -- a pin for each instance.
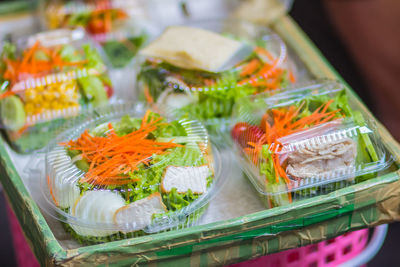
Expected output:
(45, 104)
(49, 96)
(30, 93)
(29, 108)
(38, 99)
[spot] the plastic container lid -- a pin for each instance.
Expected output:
(50, 75)
(205, 95)
(167, 189)
(305, 139)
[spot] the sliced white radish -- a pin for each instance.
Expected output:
(178, 100)
(170, 100)
(137, 215)
(96, 207)
(185, 178)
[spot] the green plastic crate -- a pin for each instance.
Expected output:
(367, 204)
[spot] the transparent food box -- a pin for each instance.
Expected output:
(95, 16)
(123, 172)
(305, 142)
(171, 12)
(122, 45)
(183, 77)
(46, 78)
(121, 27)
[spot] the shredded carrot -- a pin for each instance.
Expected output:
(250, 67)
(19, 133)
(121, 14)
(292, 78)
(209, 82)
(265, 77)
(113, 157)
(51, 191)
(29, 66)
(6, 94)
(262, 51)
(147, 95)
(107, 20)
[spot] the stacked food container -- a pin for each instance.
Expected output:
(219, 104)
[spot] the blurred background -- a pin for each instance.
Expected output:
(361, 39)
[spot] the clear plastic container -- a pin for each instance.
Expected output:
(305, 142)
(48, 77)
(171, 12)
(207, 95)
(122, 45)
(168, 188)
(95, 16)
(120, 27)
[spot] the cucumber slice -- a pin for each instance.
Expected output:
(359, 119)
(94, 90)
(12, 112)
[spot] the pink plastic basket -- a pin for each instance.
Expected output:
(324, 254)
(23, 253)
(328, 253)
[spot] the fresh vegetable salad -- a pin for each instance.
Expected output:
(50, 78)
(121, 46)
(95, 16)
(114, 24)
(113, 176)
(305, 142)
(189, 70)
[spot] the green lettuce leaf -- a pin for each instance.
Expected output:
(271, 186)
(175, 201)
(94, 59)
(93, 89)
(70, 54)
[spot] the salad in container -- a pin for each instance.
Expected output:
(120, 172)
(46, 78)
(200, 70)
(305, 142)
(122, 45)
(116, 25)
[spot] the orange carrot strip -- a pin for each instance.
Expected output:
(6, 94)
(250, 67)
(147, 95)
(262, 51)
(292, 78)
(51, 191)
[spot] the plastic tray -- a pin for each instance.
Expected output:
(233, 239)
(160, 85)
(90, 220)
(41, 100)
(289, 154)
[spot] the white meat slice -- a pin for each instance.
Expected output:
(322, 159)
(96, 207)
(137, 215)
(185, 178)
